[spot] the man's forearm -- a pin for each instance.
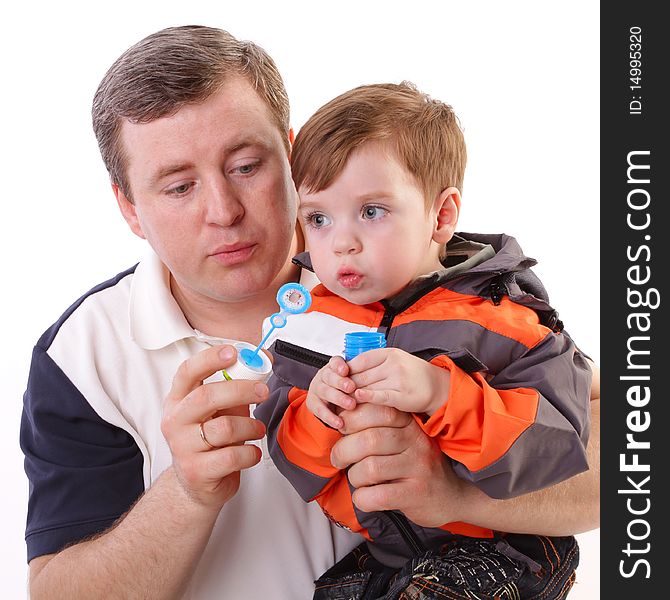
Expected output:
(567, 508)
(150, 553)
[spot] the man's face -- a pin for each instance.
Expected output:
(368, 233)
(213, 194)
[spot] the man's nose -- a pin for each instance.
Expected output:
(223, 204)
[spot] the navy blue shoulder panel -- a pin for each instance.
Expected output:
(83, 472)
(49, 335)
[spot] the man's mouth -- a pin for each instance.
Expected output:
(233, 254)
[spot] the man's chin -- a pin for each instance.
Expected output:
(242, 287)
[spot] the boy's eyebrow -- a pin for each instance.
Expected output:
(371, 196)
(309, 203)
(368, 197)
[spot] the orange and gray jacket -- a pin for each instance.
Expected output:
(516, 416)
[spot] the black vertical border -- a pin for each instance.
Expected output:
(634, 540)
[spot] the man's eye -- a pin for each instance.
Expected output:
(373, 212)
(247, 169)
(179, 189)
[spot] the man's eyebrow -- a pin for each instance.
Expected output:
(168, 170)
(258, 142)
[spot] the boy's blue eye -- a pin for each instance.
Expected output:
(373, 212)
(317, 220)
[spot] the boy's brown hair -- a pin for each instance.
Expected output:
(424, 134)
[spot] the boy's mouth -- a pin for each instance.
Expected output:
(349, 278)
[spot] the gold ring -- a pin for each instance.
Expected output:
(204, 437)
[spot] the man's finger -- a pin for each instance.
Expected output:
(217, 464)
(225, 430)
(210, 398)
(364, 416)
(377, 441)
(387, 496)
(374, 470)
(198, 367)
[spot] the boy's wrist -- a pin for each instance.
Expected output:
(441, 380)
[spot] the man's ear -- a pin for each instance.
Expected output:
(447, 207)
(291, 139)
(128, 211)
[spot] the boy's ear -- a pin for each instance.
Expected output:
(447, 206)
(128, 211)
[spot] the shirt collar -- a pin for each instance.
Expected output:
(156, 320)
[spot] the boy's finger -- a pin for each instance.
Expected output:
(334, 380)
(334, 396)
(367, 360)
(324, 414)
(381, 397)
(374, 375)
(338, 365)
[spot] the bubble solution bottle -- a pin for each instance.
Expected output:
(361, 341)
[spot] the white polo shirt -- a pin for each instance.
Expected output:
(91, 435)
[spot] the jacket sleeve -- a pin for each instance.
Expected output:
(525, 428)
(299, 443)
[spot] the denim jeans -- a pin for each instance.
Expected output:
(512, 567)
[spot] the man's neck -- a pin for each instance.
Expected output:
(238, 320)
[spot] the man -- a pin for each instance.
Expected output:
(134, 447)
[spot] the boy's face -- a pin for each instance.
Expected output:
(368, 233)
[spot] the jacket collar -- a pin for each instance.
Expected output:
(481, 256)
(506, 255)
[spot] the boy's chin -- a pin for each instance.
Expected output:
(358, 296)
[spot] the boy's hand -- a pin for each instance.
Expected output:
(393, 377)
(331, 386)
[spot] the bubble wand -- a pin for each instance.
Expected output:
(293, 299)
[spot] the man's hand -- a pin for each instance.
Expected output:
(209, 471)
(394, 466)
(393, 377)
(331, 386)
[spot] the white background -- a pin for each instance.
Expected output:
(522, 76)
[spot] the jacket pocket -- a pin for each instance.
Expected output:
(294, 365)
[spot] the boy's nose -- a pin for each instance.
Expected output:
(222, 204)
(345, 242)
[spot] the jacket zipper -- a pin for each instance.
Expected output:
(302, 355)
(399, 520)
(407, 533)
(318, 360)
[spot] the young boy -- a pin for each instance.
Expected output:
(379, 171)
